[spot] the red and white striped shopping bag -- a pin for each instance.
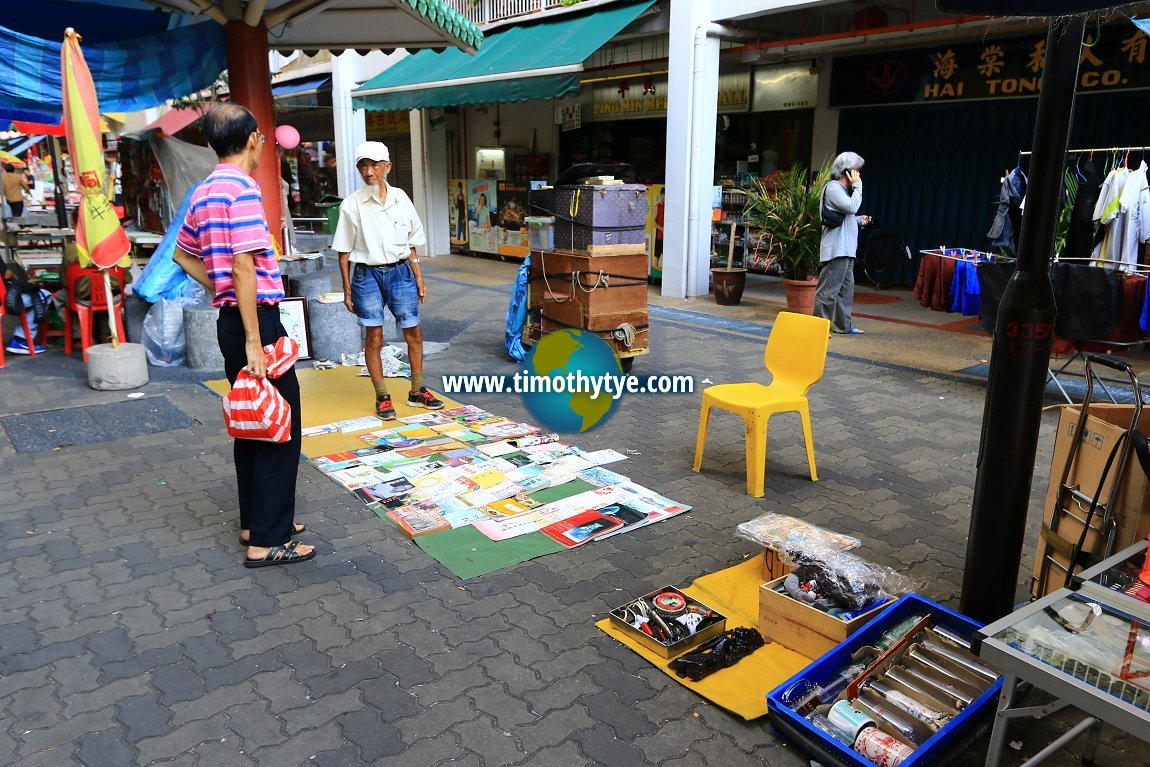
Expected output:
(254, 409)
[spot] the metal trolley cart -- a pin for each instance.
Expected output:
(1088, 509)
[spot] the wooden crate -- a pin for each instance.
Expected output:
(604, 325)
(618, 249)
(568, 313)
(773, 565)
(603, 284)
(624, 266)
(800, 627)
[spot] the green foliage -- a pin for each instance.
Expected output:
(785, 208)
(1070, 181)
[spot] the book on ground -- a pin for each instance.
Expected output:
(581, 528)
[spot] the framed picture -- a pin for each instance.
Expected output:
(293, 315)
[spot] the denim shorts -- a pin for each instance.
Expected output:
(374, 287)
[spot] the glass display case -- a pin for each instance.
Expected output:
(1082, 647)
(490, 162)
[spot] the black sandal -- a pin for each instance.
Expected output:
(280, 555)
(294, 531)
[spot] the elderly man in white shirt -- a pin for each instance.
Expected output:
(376, 238)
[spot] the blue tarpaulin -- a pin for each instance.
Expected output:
(163, 277)
(130, 75)
(517, 313)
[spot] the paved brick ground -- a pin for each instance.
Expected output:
(131, 634)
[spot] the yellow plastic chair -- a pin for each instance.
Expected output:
(796, 356)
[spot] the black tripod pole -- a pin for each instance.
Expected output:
(57, 178)
(1020, 356)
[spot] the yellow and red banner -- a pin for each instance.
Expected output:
(99, 236)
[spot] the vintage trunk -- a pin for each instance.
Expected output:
(592, 216)
(558, 316)
(599, 284)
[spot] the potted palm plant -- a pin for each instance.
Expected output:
(786, 212)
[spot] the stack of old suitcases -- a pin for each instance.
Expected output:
(589, 262)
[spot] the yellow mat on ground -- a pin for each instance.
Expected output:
(327, 396)
(741, 689)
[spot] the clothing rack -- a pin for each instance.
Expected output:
(1127, 267)
(1097, 149)
(967, 256)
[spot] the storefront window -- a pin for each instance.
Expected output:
(765, 141)
(638, 142)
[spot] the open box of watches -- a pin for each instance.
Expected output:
(668, 622)
(904, 690)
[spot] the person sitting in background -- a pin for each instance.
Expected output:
(84, 294)
(15, 185)
(84, 290)
(22, 295)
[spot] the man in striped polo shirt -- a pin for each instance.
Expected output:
(225, 245)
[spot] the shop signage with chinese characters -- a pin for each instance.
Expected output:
(645, 95)
(1113, 59)
(378, 123)
(569, 116)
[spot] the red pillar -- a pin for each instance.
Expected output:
(250, 82)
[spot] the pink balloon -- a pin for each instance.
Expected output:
(287, 137)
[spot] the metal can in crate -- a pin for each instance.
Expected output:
(882, 749)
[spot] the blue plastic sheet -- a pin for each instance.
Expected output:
(517, 313)
(131, 74)
(163, 277)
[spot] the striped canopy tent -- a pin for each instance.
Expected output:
(250, 29)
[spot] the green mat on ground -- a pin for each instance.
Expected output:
(467, 553)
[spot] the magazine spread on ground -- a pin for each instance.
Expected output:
(463, 467)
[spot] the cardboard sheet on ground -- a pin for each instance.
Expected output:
(741, 689)
(328, 396)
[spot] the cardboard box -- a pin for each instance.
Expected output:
(800, 627)
(677, 648)
(1130, 505)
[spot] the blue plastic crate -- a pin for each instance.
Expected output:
(946, 743)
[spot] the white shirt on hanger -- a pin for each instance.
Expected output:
(1135, 204)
